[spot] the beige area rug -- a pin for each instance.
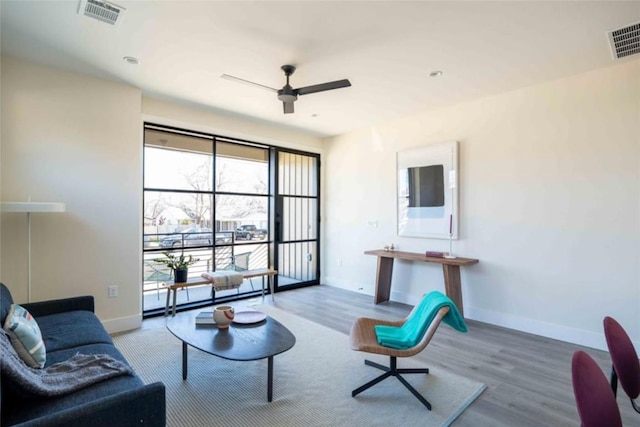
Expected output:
(312, 383)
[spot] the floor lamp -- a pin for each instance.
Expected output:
(29, 208)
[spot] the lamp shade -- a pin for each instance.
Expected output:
(33, 207)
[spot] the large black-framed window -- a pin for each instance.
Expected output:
(214, 198)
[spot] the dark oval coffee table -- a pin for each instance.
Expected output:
(257, 341)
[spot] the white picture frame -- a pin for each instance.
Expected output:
(427, 182)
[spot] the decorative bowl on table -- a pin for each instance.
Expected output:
(223, 315)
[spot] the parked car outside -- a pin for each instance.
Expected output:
(223, 238)
(249, 232)
(190, 237)
(245, 232)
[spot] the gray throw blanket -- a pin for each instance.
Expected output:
(61, 378)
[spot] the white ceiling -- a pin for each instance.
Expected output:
(386, 49)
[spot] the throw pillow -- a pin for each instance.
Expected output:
(26, 337)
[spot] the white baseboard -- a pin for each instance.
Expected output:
(366, 289)
(122, 324)
(549, 330)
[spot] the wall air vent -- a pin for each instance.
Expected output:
(102, 11)
(625, 41)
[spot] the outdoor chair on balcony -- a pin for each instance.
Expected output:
(241, 263)
(238, 262)
(159, 273)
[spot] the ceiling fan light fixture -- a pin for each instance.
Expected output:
(287, 94)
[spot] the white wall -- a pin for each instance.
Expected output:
(549, 202)
(73, 139)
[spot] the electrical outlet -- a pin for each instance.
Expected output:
(113, 291)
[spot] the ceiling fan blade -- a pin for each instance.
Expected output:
(239, 80)
(323, 86)
(288, 107)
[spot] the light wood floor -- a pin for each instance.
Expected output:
(528, 377)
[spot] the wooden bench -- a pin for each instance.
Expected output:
(199, 281)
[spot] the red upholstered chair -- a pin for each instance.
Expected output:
(626, 367)
(596, 403)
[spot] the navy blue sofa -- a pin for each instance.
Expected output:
(70, 326)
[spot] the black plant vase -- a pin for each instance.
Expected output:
(180, 275)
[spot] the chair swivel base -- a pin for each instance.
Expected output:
(392, 370)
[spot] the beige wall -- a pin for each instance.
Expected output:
(73, 139)
(549, 202)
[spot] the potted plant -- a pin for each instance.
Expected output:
(178, 264)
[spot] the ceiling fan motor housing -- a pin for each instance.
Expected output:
(287, 94)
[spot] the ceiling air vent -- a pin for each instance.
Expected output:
(102, 11)
(625, 41)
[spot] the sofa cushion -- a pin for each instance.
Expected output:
(25, 336)
(72, 329)
(24, 409)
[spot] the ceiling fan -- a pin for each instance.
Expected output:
(289, 95)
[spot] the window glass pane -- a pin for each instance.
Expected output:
(300, 218)
(297, 262)
(242, 257)
(241, 169)
(245, 216)
(177, 162)
(297, 175)
(176, 220)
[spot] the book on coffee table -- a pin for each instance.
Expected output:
(205, 318)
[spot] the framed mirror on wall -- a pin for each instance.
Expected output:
(428, 191)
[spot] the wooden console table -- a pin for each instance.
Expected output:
(450, 269)
(198, 281)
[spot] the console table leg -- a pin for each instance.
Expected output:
(452, 285)
(383, 279)
(184, 360)
(270, 379)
